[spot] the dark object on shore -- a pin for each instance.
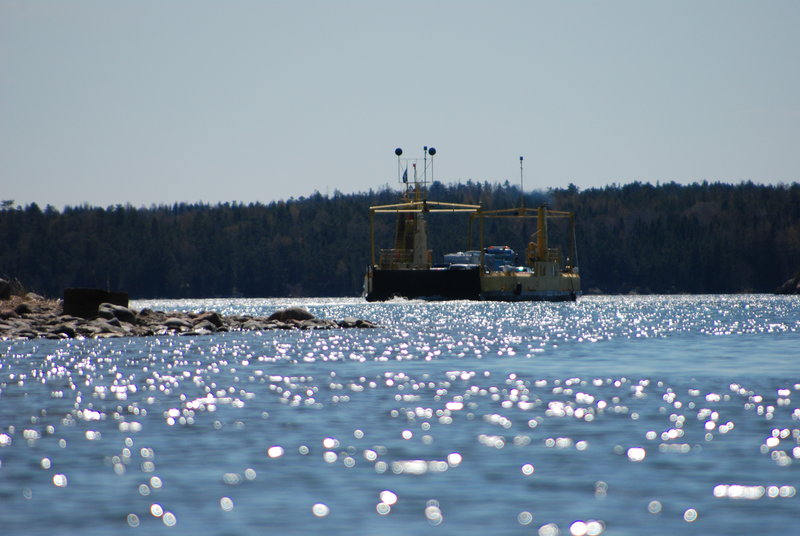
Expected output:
(85, 302)
(34, 317)
(5, 290)
(791, 286)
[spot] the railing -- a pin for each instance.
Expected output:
(551, 255)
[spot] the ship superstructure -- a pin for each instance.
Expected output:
(407, 270)
(489, 273)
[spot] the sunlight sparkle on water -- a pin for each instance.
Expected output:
(650, 412)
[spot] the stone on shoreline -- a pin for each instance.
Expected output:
(122, 313)
(209, 316)
(352, 322)
(291, 313)
(35, 317)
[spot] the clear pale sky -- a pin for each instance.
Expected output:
(151, 102)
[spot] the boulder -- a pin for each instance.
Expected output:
(209, 316)
(254, 325)
(318, 323)
(150, 317)
(348, 322)
(177, 323)
(103, 312)
(291, 313)
(65, 329)
(123, 314)
(352, 322)
(101, 326)
(23, 309)
(8, 313)
(26, 334)
(197, 330)
(205, 325)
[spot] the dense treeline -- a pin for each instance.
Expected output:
(714, 238)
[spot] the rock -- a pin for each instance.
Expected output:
(85, 302)
(176, 323)
(66, 329)
(197, 331)
(292, 313)
(254, 325)
(352, 322)
(8, 313)
(23, 309)
(318, 323)
(88, 330)
(123, 314)
(348, 322)
(205, 325)
(103, 326)
(150, 317)
(209, 316)
(26, 334)
(51, 335)
(5, 290)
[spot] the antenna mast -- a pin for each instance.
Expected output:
(521, 186)
(424, 165)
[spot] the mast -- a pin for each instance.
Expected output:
(411, 234)
(541, 233)
(521, 188)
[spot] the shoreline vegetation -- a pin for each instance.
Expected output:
(638, 238)
(31, 316)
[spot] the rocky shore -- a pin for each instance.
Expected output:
(33, 317)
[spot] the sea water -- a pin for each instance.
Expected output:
(612, 415)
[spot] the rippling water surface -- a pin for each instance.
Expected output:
(613, 415)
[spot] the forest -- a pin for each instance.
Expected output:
(633, 238)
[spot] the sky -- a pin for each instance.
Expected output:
(150, 102)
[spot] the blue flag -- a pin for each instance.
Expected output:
(405, 175)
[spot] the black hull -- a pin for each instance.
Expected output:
(425, 284)
(544, 297)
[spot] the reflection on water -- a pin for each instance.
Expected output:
(614, 415)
